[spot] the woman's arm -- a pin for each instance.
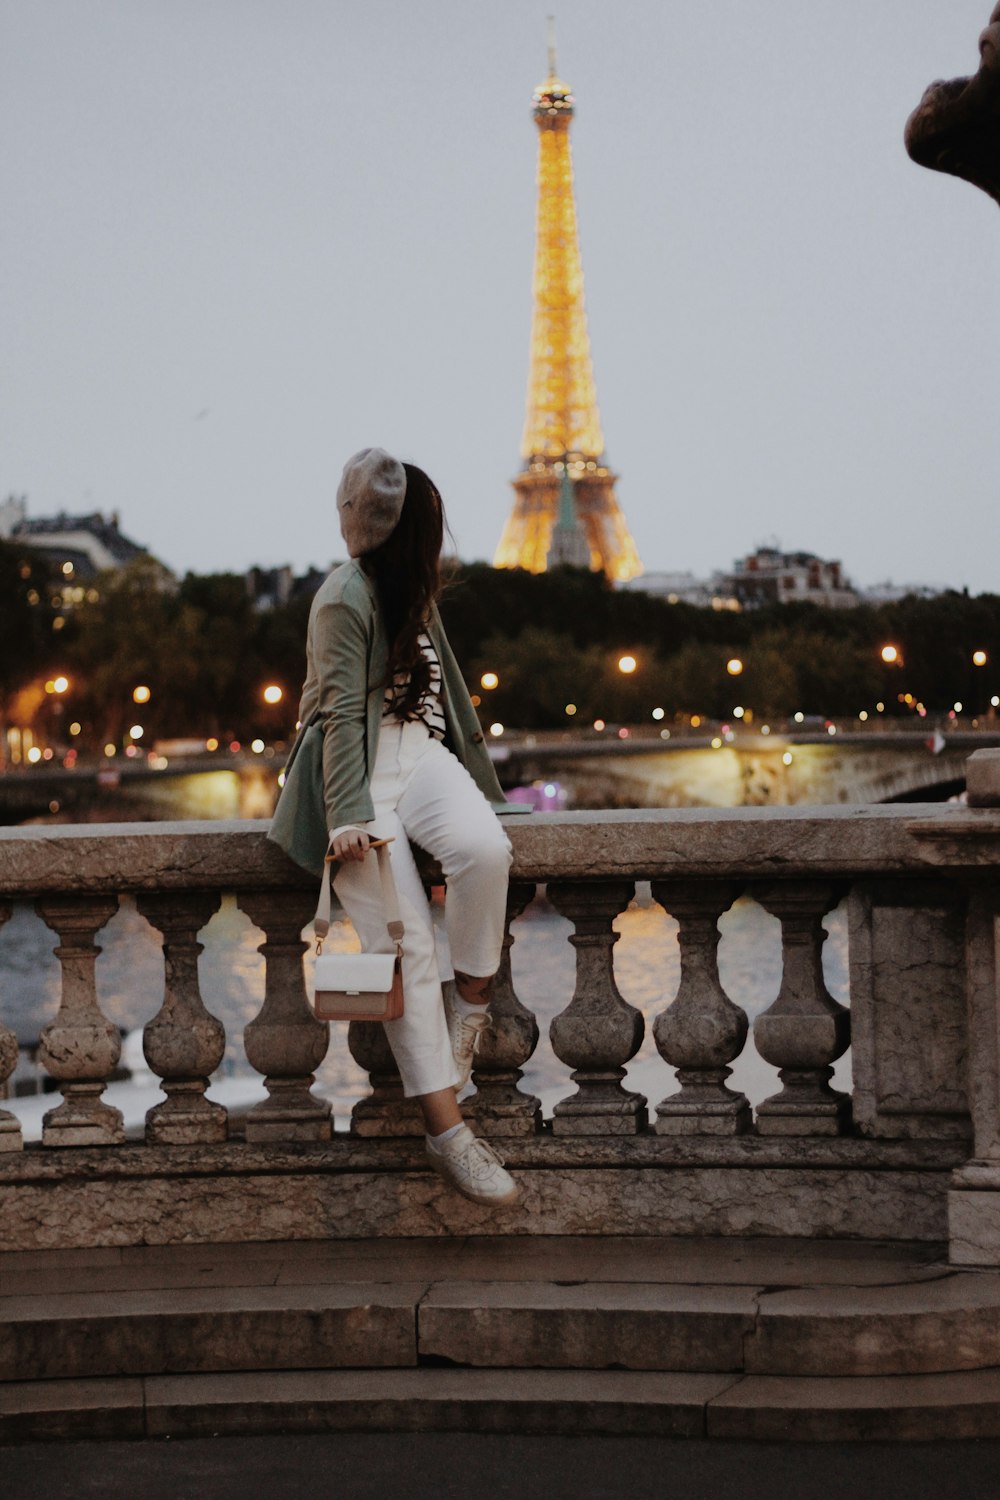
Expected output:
(340, 658)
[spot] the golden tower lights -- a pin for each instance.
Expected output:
(562, 427)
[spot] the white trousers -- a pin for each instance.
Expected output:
(420, 790)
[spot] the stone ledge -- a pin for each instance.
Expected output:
(348, 1154)
(833, 1202)
(742, 843)
(567, 1258)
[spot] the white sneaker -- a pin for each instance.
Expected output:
(474, 1168)
(465, 1033)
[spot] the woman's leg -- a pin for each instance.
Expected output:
(419, 1038)
(444, 811)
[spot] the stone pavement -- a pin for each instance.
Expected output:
(456, 1466)
(727, 1339)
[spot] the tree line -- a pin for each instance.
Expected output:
(553, 640)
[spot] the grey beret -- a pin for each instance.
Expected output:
(370, 499)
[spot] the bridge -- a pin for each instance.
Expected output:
(237, 786)
(597, 770)
(684, 1260)
(743, 768)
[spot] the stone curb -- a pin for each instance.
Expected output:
(902, 1408)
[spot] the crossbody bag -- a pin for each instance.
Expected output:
(360, 986)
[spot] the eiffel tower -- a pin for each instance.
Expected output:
(562, 428)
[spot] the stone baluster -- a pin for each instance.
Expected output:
(80, 1047)
(10, 1126)
(183, 1043)
(702, 1031)
(805, 1030)
(285, 1042)
(385, 1112)
(598, 1032)
(499, 1108)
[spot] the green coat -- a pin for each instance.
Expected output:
(327, 778)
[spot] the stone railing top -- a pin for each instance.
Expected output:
(743, 843)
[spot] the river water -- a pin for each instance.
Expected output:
(130, 985)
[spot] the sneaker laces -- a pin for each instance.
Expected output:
(481, 1158)
(466, 1026)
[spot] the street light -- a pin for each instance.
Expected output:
(273, 693)
(141, 694)
(734, 666)
(979, 658)
(627, 664)
(489, 681)
(892, 656)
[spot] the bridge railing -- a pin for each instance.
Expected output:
(915, 1138)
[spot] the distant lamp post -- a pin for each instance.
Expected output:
(136, 732)
(627, 664)
(57, 685)
(489, 681)
(273, 693)
(892, 656)
(734, 666)
(141, 694)
(979, 658)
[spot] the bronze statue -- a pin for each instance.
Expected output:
(956, 126)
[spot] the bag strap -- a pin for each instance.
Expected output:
(390, 900)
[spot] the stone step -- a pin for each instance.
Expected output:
(940, 1323)
(948, 1323)
(962, 1405)
(322, 1326)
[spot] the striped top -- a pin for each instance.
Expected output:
(429, 710)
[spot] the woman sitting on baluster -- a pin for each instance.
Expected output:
(403, 756)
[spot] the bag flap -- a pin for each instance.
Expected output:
(354, 972)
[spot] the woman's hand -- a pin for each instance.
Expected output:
(352, 843)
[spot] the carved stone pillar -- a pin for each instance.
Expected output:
(702, 1031)
(598, 1032)
(10, 1126)
(499, 1108)
(285, 1042)
(80, 1047)
(183, 1044)
(385, 1112)
(805, 1030)
(974, 1196)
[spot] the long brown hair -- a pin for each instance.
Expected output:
(406, 570)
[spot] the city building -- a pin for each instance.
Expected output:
(568, 546)
(892, 593)
(562, 429)
(684, 588)
(770, 576)
(79, 547)
(270, 588)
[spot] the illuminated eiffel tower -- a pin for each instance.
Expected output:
(562, 427)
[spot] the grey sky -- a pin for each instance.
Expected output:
(243, 238)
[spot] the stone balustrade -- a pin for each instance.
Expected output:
(912, 1152)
